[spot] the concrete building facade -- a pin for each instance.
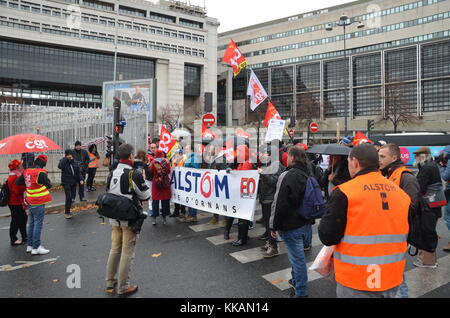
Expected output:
(59, 52)
(397, 57)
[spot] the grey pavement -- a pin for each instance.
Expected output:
(59, 199)
(172, 261)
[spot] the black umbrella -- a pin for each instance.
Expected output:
(330, 149)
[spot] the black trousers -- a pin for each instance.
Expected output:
(19, 220)
(243, 226)
(70, 191)
(266, 210)
(179, 208)
(80, 188)
(90, 178)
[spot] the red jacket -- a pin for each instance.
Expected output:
(15, 191)
(157, 193)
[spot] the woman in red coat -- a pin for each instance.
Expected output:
(160, 170)
(16, 204)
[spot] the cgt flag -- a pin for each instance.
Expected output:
(233, 56)
(360, 138)
(271, 113)
(167, 143)
(256, 91)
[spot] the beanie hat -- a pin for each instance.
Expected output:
(13, 165)
(44, 158)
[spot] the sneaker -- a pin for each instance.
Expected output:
(213, 221)
(164, 221)
(291, 283)
(131, 290)
(68, 215)
(190, 219)
(263, 237)
(271, 252)
(265, 247)
(224, 223)
(418, 263)
(154, 221)
(447, 248)
(306, 248)
(88, 190)
(29, 249)
(40, 251)
(83, 200)
(93, 189)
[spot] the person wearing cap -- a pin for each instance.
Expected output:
(16, 204)
(367, 222)
(429, 174)
(81, 158)
(37, 195)
(445, 174)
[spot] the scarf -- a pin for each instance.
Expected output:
(127, 162)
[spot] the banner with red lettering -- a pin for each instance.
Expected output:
(233, 56)
(272, 113)
(256, 91)
(230, 194)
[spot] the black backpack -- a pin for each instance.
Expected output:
(4, 194)
(118, 207)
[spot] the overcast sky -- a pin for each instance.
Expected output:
(234, 14)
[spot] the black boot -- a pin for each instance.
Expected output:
(243, 233)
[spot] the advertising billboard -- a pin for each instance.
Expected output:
(135, 95)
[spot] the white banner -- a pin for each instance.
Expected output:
(229, 194)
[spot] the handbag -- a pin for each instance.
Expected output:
(422, 230)
(435, 196)
(323, 264)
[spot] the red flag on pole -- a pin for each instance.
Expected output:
(271, 113)
(360, 138)
(234, 57)
(167, 143)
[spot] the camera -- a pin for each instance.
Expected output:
(136, 225)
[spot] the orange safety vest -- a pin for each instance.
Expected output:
(93, 161)
(396, 176)
(372, 254)
(35, 194)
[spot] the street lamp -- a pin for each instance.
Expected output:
(344, 21)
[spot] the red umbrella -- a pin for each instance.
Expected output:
(26, 143)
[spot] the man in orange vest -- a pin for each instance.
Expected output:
(367, 220)
(94, 158)
(393, 168)
(37, 195)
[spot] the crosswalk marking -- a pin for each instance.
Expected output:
(424, 280)
(255, 254)
(209, 227)
(281, 278)
(219, 240)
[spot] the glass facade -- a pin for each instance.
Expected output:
(192, 80)
(320, 86)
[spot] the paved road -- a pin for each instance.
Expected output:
(194, 262)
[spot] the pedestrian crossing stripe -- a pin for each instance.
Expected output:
(255, 254)
(219, 240)
(420, 281)
(209, 227)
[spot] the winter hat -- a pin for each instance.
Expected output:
(423, 150)
(13, 165)
(44, 158)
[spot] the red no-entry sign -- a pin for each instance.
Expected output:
(314, 128)
(208, 120)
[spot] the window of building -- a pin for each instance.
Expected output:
(436, 60)
(282, 80)
(192, 80)
(436, 95)
(334, 74)
(190, 23)
(99, 5)
(162, 17)
(401, 65)
(308, 77)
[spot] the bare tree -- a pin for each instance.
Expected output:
(399, 108)
(170, 116)
(308, 109)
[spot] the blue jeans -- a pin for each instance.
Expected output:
(294, 243)
(308, 238)
(447, 215)
(192, 212)
(403, 289)
(165, 208)
(36, 220)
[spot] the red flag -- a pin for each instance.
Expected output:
(271, 113)
(208, 134)
(256, 91)
(167, 143)
(360, 138)
(241, 133)
(234, 57)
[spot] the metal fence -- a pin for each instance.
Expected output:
(65, 125)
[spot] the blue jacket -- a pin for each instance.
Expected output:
(193, 161)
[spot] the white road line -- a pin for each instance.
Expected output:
(424, 280)
(25, 264)
(218, 239)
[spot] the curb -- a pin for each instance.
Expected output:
(51, 209)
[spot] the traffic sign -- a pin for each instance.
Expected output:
(314, 128)
(208, 120)
(291, 132)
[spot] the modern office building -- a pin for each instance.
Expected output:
(397, 57)
(59, 52)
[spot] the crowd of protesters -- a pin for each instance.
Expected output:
(283, 181)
